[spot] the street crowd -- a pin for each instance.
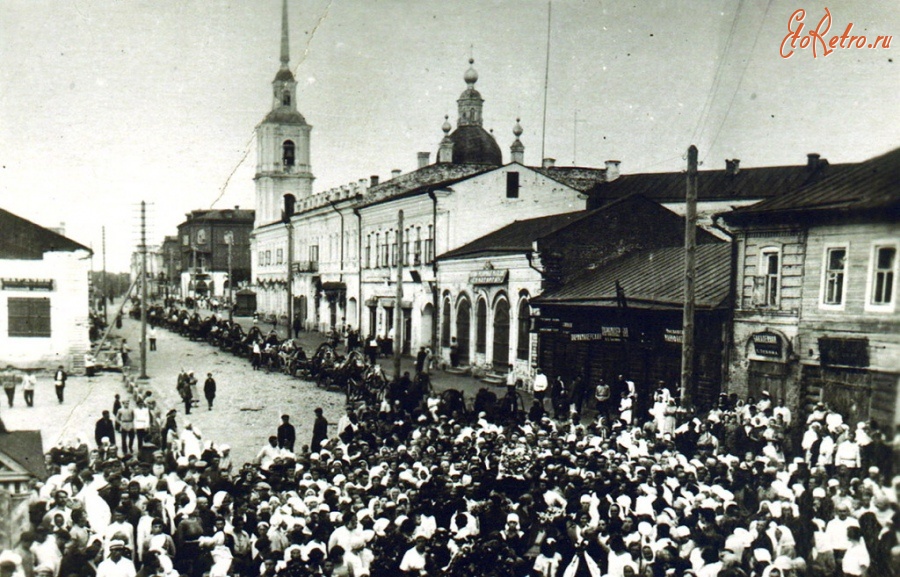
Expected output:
(745, 489)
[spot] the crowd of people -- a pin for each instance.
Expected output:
(427, 488)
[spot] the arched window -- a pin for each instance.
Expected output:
(286, 98)
(481, 327)
(287, 153)
(524, 339)
(445, 324)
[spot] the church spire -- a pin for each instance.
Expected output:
(285, 44)
(470, 101)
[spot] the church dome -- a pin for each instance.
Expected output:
(285, 115)
(284, 75)
(475, 145)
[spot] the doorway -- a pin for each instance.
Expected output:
(463, 324)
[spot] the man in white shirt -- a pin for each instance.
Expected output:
(116, 565)
(540, 385)
(414, 560)
(141, 422)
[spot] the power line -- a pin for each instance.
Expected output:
(740, 80)
(717, 78)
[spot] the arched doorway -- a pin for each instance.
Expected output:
(463, 324)
(351, 313)
(481, 327)
(501, 336)
(426, 326)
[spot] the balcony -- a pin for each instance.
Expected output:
(305, 266)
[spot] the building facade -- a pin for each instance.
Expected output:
(44, 296)
(816, 316)
(210, 243)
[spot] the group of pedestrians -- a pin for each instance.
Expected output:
(187, 388)
(402, 488)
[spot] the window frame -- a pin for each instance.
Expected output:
(513, 184)
(877, 245)
(279, 256)
(15, 318)
(763, 271)
(823, 289)
(523, 345)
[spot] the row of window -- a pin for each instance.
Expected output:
(880, 286)
(265, 256)
(382, 250)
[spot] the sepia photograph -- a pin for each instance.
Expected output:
(499, 288)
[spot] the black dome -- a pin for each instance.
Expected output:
(475, 145)
(284, 75)
(285, 116)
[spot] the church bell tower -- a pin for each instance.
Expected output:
(282, 143)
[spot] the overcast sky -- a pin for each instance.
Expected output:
(104, 103)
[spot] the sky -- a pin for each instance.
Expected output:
(107, 103)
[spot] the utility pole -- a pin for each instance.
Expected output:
(398, 307)
(288, 213)
(229, 240)
(690, 269)
(143, 290)
(104, 288)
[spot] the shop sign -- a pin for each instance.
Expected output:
(846, 352)
(28, 284)
(605, 334)
(767, 344)
(675, 336)
(488, 277)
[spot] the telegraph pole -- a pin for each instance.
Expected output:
(104, 289)
(143, 290)
(690, 269)
(398, 307)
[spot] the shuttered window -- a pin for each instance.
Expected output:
(29, 317)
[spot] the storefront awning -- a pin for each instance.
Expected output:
(334, 286)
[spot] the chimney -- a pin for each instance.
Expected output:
(423, 159)
(362, 186)
(237, 207)
(812, 160)
(395, 173)
(548, 163)
(733, 166)
(373, 180)
(612, 170)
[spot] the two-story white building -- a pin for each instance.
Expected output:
(341, 246)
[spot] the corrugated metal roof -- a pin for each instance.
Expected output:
(515, 237)
(866, 186)
(578, 177)
(652, 279)
(748, 183)
(433, 175)
(23, 239)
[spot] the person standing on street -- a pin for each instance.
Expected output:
(192, 384)
(105, 428)
(540, 386)
(28, 382)
(125, 418)
(9, 386)
(287, 436)
(141, 423)
(123, 350)
(59, 380)
(151, 335)
(209, 389)
(320, 431)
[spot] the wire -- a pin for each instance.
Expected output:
(740, 79)
(717, 78)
